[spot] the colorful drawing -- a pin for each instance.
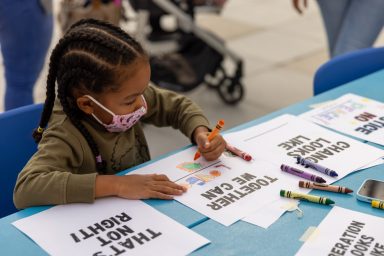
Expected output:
(189, 166)
(200, 179)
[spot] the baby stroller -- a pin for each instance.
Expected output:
(200, 56)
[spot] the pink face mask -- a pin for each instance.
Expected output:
(121, 123)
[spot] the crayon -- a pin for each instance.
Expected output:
(309, 198)
(214, 132)
(239, 153)
(308, 163)
(326, 187)
(302, 174)
(377, 204)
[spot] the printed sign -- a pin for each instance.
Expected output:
(353, 115)
(110, 226)
(346, 232)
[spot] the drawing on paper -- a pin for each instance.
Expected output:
(199, 174)
(200, 178)
(189, 166)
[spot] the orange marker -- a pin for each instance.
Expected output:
(212, 135)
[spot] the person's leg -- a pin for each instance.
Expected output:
(332, 12)
(362, 24)
(25, 36)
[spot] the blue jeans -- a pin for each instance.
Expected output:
(25, 35)
(351, 24)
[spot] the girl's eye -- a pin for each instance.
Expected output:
(129, 103)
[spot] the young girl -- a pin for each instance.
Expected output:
(103, 87)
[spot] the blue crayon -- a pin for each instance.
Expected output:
(308, 163)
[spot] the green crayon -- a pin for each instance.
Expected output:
(304, 197)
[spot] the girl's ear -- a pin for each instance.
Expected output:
(85, 104)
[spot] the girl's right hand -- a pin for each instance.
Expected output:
(147, 186)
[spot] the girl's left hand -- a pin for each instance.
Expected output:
(210, 150)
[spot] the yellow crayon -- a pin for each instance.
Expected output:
(377, 204)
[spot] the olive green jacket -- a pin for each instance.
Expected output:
(63, 170)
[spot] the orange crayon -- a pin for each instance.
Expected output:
(212, 135)
(321, 186)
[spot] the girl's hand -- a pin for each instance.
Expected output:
(210, 150)
(137, 186)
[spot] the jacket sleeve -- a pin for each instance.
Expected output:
(167, 108)
(51, 176)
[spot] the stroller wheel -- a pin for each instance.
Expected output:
(231, 92)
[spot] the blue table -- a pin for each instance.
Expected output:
(282, 238)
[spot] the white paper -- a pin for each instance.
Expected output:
(110, 226)
(346, 232)
(353, 115)
(238, 192)
(267, 215)
(281, 139)
(225, 190)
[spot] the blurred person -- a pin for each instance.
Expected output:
(350, 24)
(25, 35)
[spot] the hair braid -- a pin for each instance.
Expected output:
(74, 115)
(50, 89)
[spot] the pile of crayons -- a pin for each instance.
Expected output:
(317, 182)
(307, 163)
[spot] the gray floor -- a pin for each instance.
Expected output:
(281, 51)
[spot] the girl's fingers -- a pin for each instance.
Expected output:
(167, 190)
(170, 184)
(159, 195)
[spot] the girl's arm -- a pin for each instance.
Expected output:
(52, 175)
(167, 108)
(137, 186)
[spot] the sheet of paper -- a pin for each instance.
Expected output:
(353, 115)
(240, 189)
(225, 190)
(110, 226)
(268, 214)
(346, 232)
(280, 140)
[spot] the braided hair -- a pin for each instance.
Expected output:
(88, 56)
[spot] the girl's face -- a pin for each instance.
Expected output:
(125, 100)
